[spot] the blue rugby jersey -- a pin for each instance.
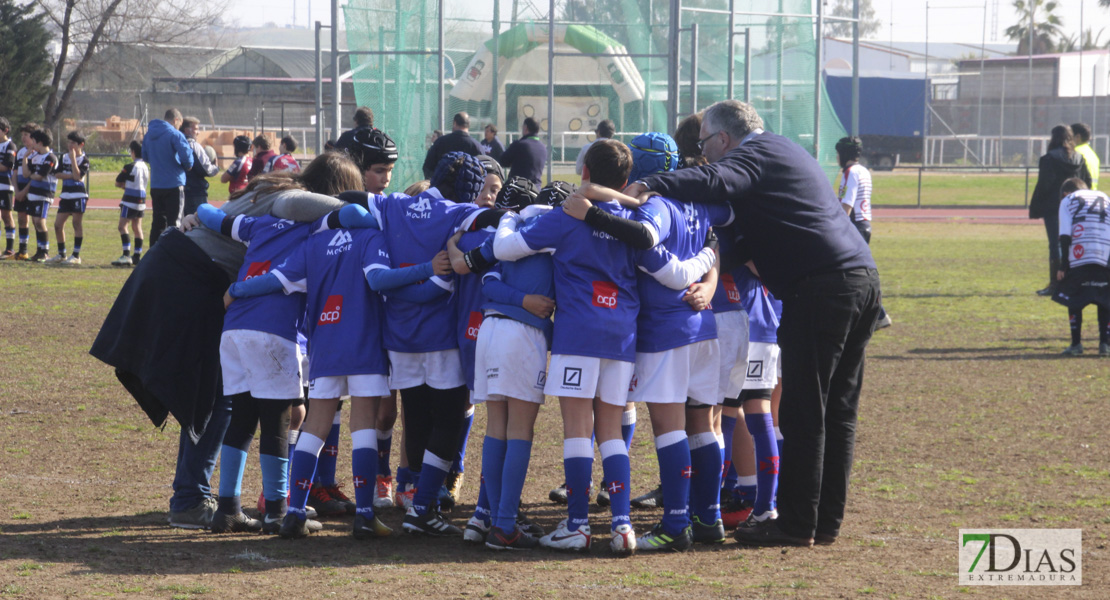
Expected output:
(763, 319)
(732, 286)
(44, 165)
(666, 321)
(74, 190)
(469, 291)
(7, 159)
(416, 228)
(344, 316)
(595, 283)
(269, 241)
(530, 275)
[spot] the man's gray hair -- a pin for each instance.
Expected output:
(172, 114)
(734, 117)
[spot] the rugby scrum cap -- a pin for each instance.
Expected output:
(518, 193)
(461, 173)
(371, 147)
(491, 166)
(554, 193)
(849, 147)
(652, 152)
(242, 143)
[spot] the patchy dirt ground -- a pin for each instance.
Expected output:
(969, 420)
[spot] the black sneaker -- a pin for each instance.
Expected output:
(559, 494)
(652, 499)
(40, 256)
(430, 523)
(603, 498)
(366, 529)
(293, 527)
(657, 540)
(271, 523)
(526, 525)
(225, 523)
(517, 539)
(712, 533)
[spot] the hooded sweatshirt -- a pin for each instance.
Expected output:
(1054, 168)
(167, 152)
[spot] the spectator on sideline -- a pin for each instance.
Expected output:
(1082, 133)
(491, 144)
(458, 140)
(168, 153)
(811, 257)
(604, 131)
(1059, 164)
(263, 154)
(526, 156)
(196, 178)
(364, 119)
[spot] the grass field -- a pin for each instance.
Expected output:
(969, 419)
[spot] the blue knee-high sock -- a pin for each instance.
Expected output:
(778, 439)
(364, 469)
(517, 455)
(464, 438)
(493, 465)
(304, 467)
(325, 469)
(766, 460)
(432, 475)
(728, 425)
(404, 477)
(673, 450)
(385, 444)
(578, 465)
(705, 486)
(618, 477)
(482, 510)
(275, 476)
(233, 461)
(628, 427)
(294, 435)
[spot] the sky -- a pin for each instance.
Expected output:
(949, 20)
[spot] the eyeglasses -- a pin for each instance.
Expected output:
(702, 141)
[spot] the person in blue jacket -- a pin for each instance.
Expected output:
(168, 153)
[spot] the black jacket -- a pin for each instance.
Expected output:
(1053, 169)
(456, 141)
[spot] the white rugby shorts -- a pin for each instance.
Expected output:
(589, 377)
(264, 364)
(363, 386)
(732, 338)
(763, 366)
(441, 369)
(510, 361)
(671, 376)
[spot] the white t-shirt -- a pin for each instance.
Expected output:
(855, 191)
(1083, 217)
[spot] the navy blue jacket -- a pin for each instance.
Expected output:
(525, 158)
(786, 210)
(168, 153)
(455, 141)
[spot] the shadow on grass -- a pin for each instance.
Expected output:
(961, 354)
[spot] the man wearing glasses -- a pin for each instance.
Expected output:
(810, 256)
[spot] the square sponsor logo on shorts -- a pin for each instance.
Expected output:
(572, 377)
(1021, 557)
(541, 380)
(755, 369)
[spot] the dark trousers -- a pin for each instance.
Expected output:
(433, 421)
(193, 202)
(166, 210)
(827, 321)
(1052, 231)
(864, 228)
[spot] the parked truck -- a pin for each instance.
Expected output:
(891, 109)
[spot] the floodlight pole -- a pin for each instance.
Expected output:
(731, 47)
(855, 68)
(672, 66)
(496, 57)
(319, 108)
(748, 65)
(442, 83)
(818, 54)
(337, 92)
(550, 86)
(694, 67)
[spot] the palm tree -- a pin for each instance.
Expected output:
(1085, 41)
(1045, 24)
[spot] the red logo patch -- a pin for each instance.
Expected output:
(730, 288)
(257, 269)
(331, 450)
(473, 324)
(687, 472)
(1077, 251)
(333, 310)
(358, 481)
(616, 487)
(605, 294)
(304, 484)
(771, 465)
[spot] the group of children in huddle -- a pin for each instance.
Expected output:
(443, 296)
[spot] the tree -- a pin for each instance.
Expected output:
(86, 26)
(869, 24)
(1045, 24)
(1087, 40)
(25, 62)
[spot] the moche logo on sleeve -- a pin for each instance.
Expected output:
(333, 310)
(1021, 556)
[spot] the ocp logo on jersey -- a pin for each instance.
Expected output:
(1021, 556)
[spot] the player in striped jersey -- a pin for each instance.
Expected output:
(1084, 251)
(854, 194)
(133, 180)
(40, 170)
(7, 193)
(22, 187)
(236, 175)
(283, 161)
(74, 198)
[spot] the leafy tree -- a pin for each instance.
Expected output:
(24, 62)
(1088, 40)
(1045, 24)
(869, 24)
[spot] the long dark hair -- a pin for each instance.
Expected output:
(1062, 138)
(330, 174)
(686, 136)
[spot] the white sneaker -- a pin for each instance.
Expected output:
(624, 540)
(475, 531)
(383, 492)
(123, 261)
(573, 541)
(53, 260)
(73, 260)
